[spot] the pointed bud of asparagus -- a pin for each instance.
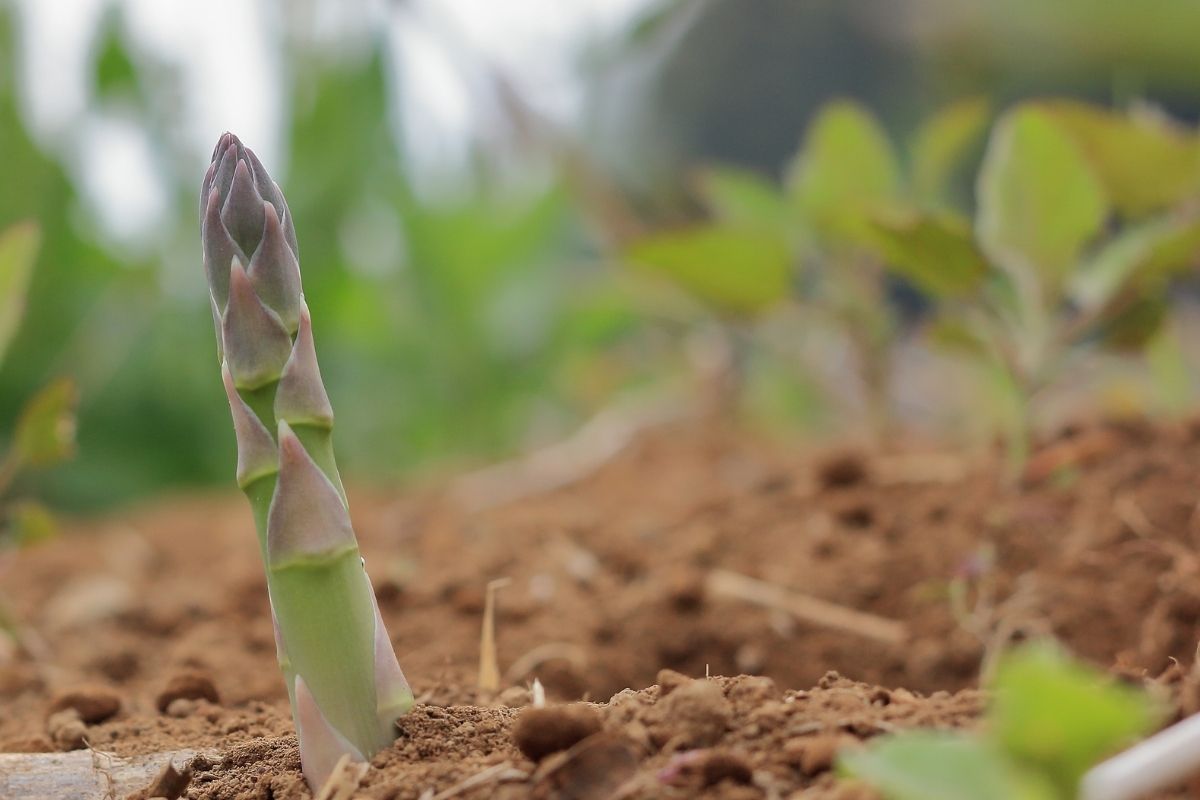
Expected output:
(220, 174)
(271, 192)
(212, 304)
(256, 449)
(242, 213)
(257, 345)
(393, 696)
(321, 746)
(275, 272)
(300, 398)
(219, 250)
(307, 519)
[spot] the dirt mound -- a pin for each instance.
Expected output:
(757, 741)
(703, 552)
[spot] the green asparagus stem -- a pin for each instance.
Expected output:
(345, 685)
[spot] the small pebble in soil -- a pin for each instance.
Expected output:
(187, 686)
(695, 714)
(704, 768)
(169, 784)
(67, 730)
(813, 755)
(669, 680)
(725, 765)
(94, 704)
(843, 469)
(538, 732)
(181, 707)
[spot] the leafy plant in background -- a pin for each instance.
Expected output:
(467, 308)
(738, 274)
(843, 182)
(44, 433)
(471, 310)
(1084, 216)
(1049, 721)
(343, 680)
(817, 237)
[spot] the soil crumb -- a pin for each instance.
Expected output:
(539, 732)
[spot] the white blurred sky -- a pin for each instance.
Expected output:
(226, 51)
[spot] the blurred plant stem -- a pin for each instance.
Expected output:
(10, 465)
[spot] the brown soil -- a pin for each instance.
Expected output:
(149, 632)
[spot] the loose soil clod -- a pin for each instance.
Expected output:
(693, 715)
(539, 732)
(67, 730)
(169, 784)
(93, 704)
(186, 686)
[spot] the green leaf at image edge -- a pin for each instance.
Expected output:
(45, 431)
(18, 252)
(1060, 717)
(29, 523)
(1141, 256)
(931, 765)
(1146, 162)
(735, 271)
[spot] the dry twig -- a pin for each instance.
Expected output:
(344, 780)
(724, 583)
(550, 651)
(601, 439)
(489, 665)
(497, 773)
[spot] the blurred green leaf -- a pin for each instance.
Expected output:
(926, 765)
(935, 251)
(1142, 255)
(1039, 200)
(735, 271)
(115, 73)
(1131, 325)
(1060, 717)
(18, 252)
(958, 335)
(30, 522)
(1146, 162)
(941, 144)
(45, 432)
(1169, 368)
(845, 172)
(744, 197)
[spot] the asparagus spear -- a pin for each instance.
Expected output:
(345, 685)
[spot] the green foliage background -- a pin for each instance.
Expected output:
(696, 203)
(448, 355)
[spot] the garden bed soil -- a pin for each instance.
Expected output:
(149, 632)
